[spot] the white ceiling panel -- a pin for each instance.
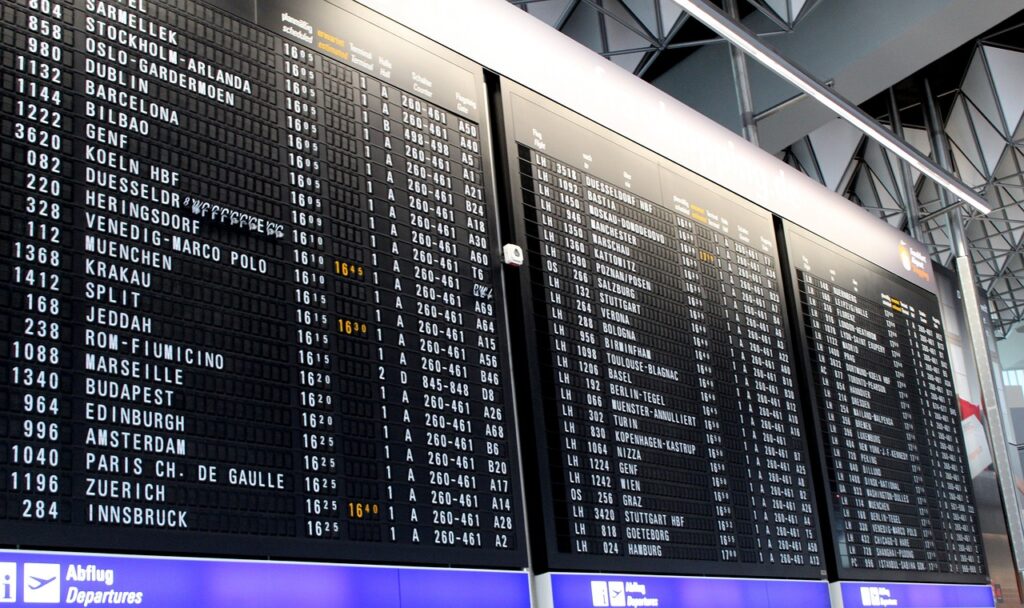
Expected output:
(991, 141)
(548, 11)
(834, 145)
(1007, 69)
(978, 87)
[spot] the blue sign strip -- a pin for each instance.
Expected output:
(600, 591)
(914, 595)
(83, 580)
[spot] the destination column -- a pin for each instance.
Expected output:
(651, 422)
(184, 280)
(132, 403)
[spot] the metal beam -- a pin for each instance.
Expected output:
(610, 15)
(741, 80)
(678, 25)
(770, 15)
(946, 209)
(909, 192)
(564, 17)
(785, 103)
(992, 404)
(708, 14)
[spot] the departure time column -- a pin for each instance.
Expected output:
(705, 336)
(312, 278)
(907, 395)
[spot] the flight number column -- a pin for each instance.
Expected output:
(569, 327)
(834, 413)
(36, 176)
(313, 279)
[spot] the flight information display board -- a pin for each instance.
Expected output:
(665, 420)
(900, 503)
(251, 305)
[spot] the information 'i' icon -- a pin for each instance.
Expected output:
(8, 582)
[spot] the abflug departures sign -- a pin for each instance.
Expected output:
(665, 410)
(900, 499)
(251, 303)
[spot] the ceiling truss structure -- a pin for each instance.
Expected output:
(638, 34)
(982, 117)
(984, 124)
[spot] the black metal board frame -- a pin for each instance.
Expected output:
(789, 237)
(535, 433)
(417, 50)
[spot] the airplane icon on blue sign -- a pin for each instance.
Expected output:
(40, 582)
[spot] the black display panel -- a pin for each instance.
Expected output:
(251, 301)
(664, 421)
(892, 459)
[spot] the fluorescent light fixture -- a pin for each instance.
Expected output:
(747, 41)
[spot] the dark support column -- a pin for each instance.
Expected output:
(994, 408)
(741, 78)
(909, 193)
